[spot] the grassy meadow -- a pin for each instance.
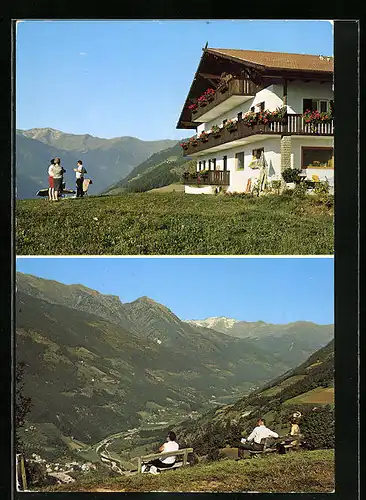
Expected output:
(300, 472)
(175, 224)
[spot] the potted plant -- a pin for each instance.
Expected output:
(313, 118)
(279, 114)
(193, 107)
(203, 173)
(291, 176)
(231, 125)
(215, 131)
(185, 145)
(202, 100)
(210, 94)
(203, 137)
(250, 118)
(263, 117)
(193, 141)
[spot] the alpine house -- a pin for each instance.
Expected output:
(257, 114)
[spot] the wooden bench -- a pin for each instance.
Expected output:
(183, 454)
(268, 444)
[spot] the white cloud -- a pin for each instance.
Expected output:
(82, 53)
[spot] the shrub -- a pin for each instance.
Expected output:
(300, 189)
(36, 474)
(321, 187)
(276, 185)
(291, 175)
(317, 426)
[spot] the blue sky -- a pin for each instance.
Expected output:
(117, 78)
(274, 290)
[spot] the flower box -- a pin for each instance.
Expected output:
(203, 137)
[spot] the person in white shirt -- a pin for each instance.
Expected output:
(163, 463)
(80, 171)
(253, 441)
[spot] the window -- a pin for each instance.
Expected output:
(317, 157)
(209, 164)
(252, 109)
(199, 165)
(256, 153)
(322, 105)
(213, 163)
(224, 121)
(261, 106)
(225, 163)
(240, 116)
(240, 160)
(204, 165)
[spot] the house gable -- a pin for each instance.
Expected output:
(261, 68)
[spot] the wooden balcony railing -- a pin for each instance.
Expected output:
(210, 178)
(237, 87)
(293, 124)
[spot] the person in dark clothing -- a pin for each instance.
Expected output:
(80, 171)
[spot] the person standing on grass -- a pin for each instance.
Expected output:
(80, 171)
(163, 463)
(58, 173)
(253, 441)
(50, 179)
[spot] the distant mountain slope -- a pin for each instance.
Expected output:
(161, 169)
(291, 342)
(90, 376)
(304, 388)
(107, 160)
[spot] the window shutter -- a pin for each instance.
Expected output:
(306, 104)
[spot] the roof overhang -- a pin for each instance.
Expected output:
(209, 68)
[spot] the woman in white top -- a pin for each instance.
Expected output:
(163, 463)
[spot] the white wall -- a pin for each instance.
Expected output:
(270, 96)
(199, 190)
(239, 178)
(298, 90)
(273, 97)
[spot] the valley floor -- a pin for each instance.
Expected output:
(175, 224)
(301, 471)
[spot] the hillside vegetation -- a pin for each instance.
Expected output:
(275, 402)
(175, 224)
(300, 472)
(161, 169)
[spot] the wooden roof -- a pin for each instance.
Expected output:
(279, 60)
(268, 65)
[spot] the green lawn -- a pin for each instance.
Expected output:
(174, 224)
(302, 471)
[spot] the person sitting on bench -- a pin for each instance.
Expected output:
(253, 441)
(163, 463)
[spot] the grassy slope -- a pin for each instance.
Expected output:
(174, 223)
(305, 471)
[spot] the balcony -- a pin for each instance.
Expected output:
(227, 97)
(210, 178)
(293, 124)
